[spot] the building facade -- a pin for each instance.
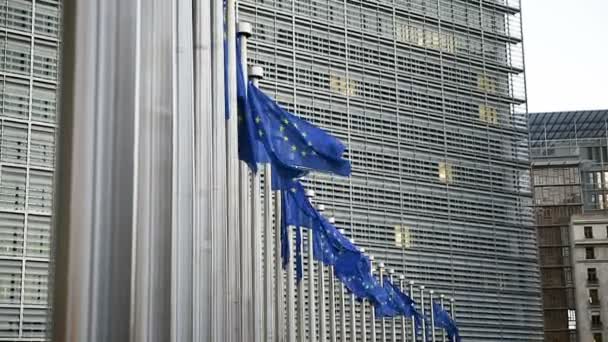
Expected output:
(568, 151)
(589, 244)
(429, 96)
(29, 40)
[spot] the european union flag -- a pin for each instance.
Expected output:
(293, 145)
(406, 305)
(298, 212)
(445, 321)
(387, 307)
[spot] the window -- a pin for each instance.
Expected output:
(572, 319)
(588, 232)
(594, 298)
(445, 172)
(589, 253)
(342, 85)
(592, 274)
(488, 114)
(597, 337)
(606, 231)
(402, 237)
(595, 320)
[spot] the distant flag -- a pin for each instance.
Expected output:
(445, 321)
(386, 307)
(405, 303)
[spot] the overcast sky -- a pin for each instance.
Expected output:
(566, 51)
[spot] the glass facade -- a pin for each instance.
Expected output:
(28, 98)
(430, 99)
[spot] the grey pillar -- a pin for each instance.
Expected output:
(139, 239)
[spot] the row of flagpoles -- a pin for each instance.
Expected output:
(287, 292)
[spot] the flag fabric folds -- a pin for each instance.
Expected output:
(404, 304)
(445, 321)
(294, 146)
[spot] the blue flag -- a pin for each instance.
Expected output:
(445, 321)
(293, 145)
(406, 305)
(387, 307)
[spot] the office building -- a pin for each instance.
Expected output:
(568, 151)
(589, 245)
(28, 103)
(430, 98)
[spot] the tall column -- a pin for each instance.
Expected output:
(233, 250)
(140, 126)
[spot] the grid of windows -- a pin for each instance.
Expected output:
(429, 97)
(29, 45)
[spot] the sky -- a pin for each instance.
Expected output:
(566, 54)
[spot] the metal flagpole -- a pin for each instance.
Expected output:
(322, 306)
(332, 299)
(363, 314)
(353, 313)
(279, 323)
(300, 290)
(371, 305)
(431, 292)
(403, 329)
(413, 319)
(442, 297)
(452, 308)
(232, 183)
(256, 73)
(312, 320)
(382, 323)
(342, 306)
(422, 312)
(291, 310)
(342, 313)
(251, 258)
(391, 272)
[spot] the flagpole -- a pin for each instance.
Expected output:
(371, 305)
(431, 292)
(342, 306)
(382, 323)
(413, 318)
(452, 308)
(402, 288)
(422, 312)
(391, 272)
(363, 315)
(279, 323)
(249, 225)
(256, 73)
(291, 310)
(353, 313)
(442, 297)
(232, 184)
(322, 306)
(332, 299)
(300, 290)
(312, 321)
(301, 305)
